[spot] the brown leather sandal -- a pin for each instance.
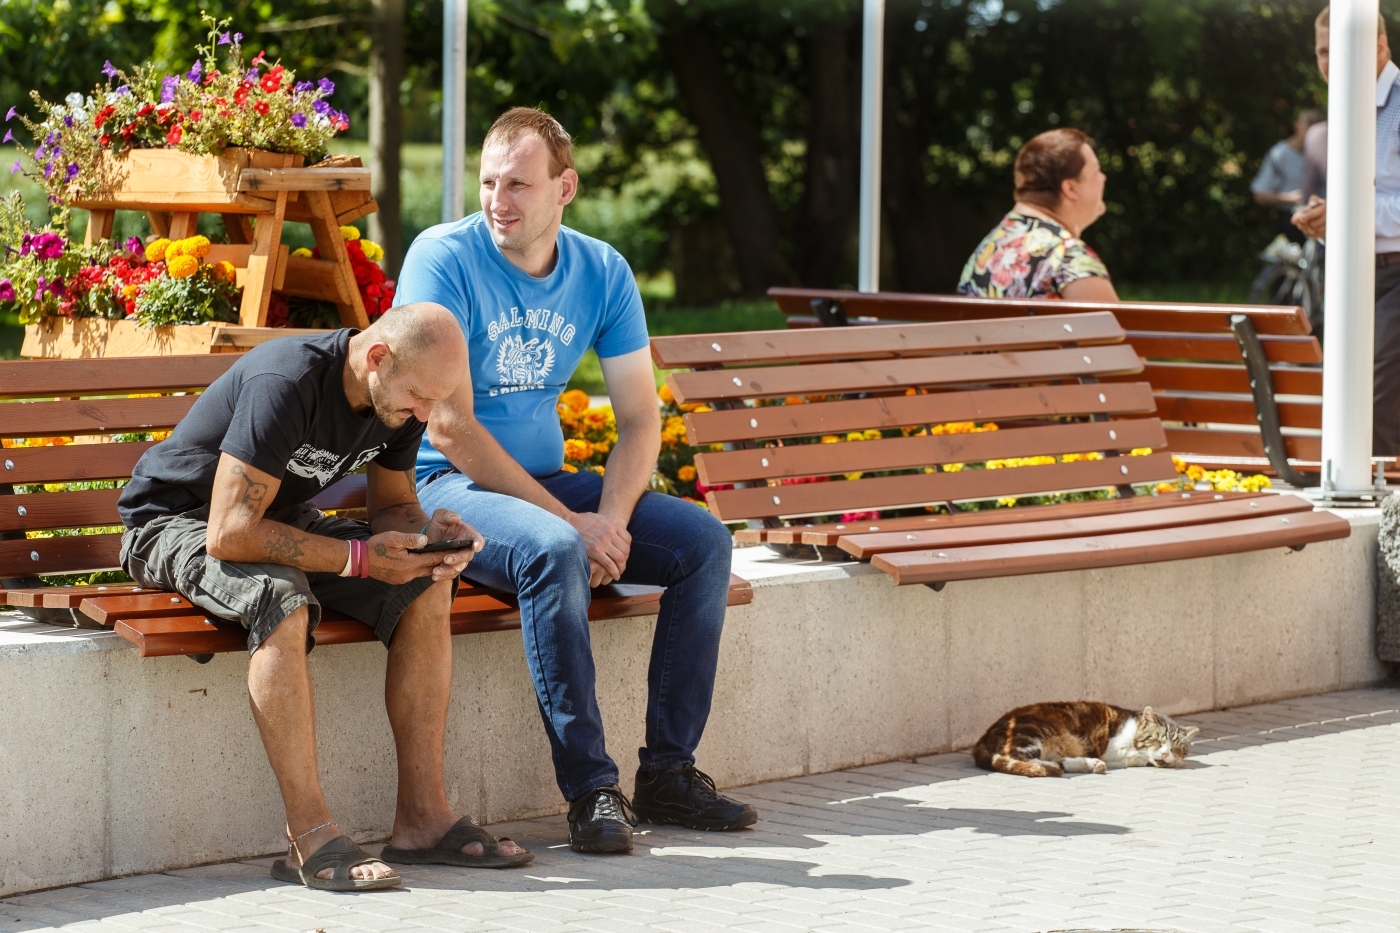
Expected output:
(448, 850)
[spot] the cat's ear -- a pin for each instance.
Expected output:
(1148, 716)
(1191, 733)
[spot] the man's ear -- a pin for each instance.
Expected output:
(569, 189)
(378, 357)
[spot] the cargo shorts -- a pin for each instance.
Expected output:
(169, 553)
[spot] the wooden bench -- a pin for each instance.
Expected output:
(1239, 385)
(90, 401)
(776, 394)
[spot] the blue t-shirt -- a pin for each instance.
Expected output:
(525, 335)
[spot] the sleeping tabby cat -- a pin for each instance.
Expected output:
(1048, 739)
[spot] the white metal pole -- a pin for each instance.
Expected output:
(871, 114)
(1348, 358)
(454, 110)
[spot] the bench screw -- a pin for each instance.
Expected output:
(1285, 521)
(1254, 505)
(9, 464)
(22, 510)
(1069, 329)
(1123, 470)
(1087, 360)
(33, 555)
(753, 422)
(715, 347)
(909, 537)
(1103, 400)
(1113, 435)
(174, 599)
(763, 460)
(874, 527)
(941, 554)
(738, 381)
(777, 501)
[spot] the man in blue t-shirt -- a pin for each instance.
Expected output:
(532, 297)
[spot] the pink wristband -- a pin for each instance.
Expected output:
(361, 559)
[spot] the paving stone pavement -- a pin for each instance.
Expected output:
(1286, 820)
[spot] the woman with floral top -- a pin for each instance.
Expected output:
(1036, 250)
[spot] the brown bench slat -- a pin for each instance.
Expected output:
(116, 375)
(66, 554)
(47, 510)
(898, 411)
(1208, 377)
(62, 597)
(1133, 315)
(1215, 443)
(346, 493)
(94, 416)
(159, 636)
(1137, 547)
(920, 488)
(1229, 411)
(827, 534)
(894, 340)
(1221, 347)
(864, 546)
(905, 453)
(70, 463)
(884, 375)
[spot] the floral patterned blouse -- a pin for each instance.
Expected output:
(1026, 257)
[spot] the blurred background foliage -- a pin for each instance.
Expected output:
(719, 138)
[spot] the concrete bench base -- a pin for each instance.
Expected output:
(113, 765)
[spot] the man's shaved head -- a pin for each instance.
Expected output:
(410, 358)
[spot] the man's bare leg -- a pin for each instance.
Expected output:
(417, 688)
(279, 688)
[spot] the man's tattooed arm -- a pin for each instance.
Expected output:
(402, 512)
(238, 530)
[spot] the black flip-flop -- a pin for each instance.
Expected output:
(341, 854)
(448, 850)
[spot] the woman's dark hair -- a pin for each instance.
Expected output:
(1047, 160)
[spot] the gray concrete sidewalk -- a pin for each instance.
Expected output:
(1287, 820)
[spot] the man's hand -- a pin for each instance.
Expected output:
(608, 542)
(1312, 219)
(448, 526)
(390, 561)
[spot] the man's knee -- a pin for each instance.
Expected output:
(557, 553)
(290, 633)
(433, 606)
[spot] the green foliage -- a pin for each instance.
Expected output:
(202, 298)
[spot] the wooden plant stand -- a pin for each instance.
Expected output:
(255, 192)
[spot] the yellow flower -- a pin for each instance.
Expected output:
(830, 439)
(1006, 501)
(597, 417)
(601, 447)
(1167, 487)
(1196, 472)
(159, 435)
(855, 436)
(1142, 452)
(349, 233)
(872, 435)
(569, 468)
(1075, 458)
(577, 449)
(686, 473)
(372, 250)
(129, 292)
(301, 252)
(853, 476)
(576, 399)
(1179, 464)
(155, 250)
(952, 467)
(665, 394)
(596, 469)
(226, 271)
(196, 246)
(701, 408)
(182, 267)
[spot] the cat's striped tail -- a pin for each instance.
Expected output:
(1008, 765)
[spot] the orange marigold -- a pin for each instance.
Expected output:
(182, 267)
(577, 449)
(576, 399)
(686, 473)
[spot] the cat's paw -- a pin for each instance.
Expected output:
(1097, 766)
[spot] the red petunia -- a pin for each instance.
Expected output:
(240, 95)
(272, 81)
(261, 107)
(175, 135)
(102, 116)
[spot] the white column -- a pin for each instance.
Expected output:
(871, 114)
(454, 109)
(1351, 244)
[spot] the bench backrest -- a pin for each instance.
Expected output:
(776, 394)
(1196, 357)
(70, 428)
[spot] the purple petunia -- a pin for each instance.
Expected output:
(168, 85)
(9, 137)
(48, 170)
(42, 245)
(224, 40)
(134, 245)
(7, 291)
(321, 107)
(11, 115)
(301, 87)
(299, 120)
(237, 37)
(196, 74)
(252, 76)
(122, 91)
(108, 70)
(327, 86)
(68, 121)
(51, 139)
(72, 170)
(40, 152)
(16, 167)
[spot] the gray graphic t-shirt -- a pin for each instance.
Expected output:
(281, 409)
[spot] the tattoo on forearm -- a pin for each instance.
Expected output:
(283, 547)
(251, 505)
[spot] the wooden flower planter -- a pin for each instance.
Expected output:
(92, 338)
(255, 192)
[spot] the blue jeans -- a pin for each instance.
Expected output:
(542, 558)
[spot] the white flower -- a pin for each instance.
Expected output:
(74, 100)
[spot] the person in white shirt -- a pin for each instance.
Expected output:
(1312, 220)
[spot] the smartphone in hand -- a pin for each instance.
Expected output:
(464, 544)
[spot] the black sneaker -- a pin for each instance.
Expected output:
(601, 821)
(686, 796)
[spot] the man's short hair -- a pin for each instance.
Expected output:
(1046, 161)
(517, 120)
(1311, 116)
(1324, 21)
